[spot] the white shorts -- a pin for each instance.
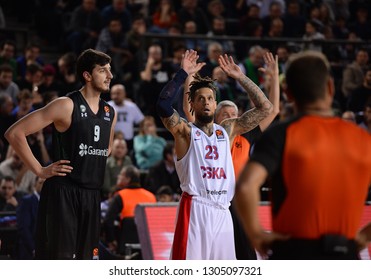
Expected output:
(203, 231)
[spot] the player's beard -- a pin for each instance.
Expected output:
(99, 88)
(204, 118)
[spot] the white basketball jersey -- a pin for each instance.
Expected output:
(206, 171)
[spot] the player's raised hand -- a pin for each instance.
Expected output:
(229, 66)
(189, 62)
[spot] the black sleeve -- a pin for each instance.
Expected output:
(113, 211)
(269, 148)
(253, 135)
(169, 94)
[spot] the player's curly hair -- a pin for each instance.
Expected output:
(200, 82)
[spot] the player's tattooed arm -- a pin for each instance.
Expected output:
(263, 107)
(175, 124)
(172, 121)
(255, 94)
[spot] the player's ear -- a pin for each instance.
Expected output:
(87, 76)
(331, 86)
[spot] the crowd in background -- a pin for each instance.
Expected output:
(142, 65)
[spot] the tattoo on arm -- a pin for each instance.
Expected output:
(249, 120)
(252, 118)
(254, 92)
(172, 121)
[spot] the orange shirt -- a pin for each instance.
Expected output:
(131, 198)
(321, 170)
(240, 153)
(241, 149)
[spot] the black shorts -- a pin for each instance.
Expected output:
(328, 247)
(68, 223)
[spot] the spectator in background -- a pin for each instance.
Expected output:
(32, 81)
(127, 112)
(118, 9)
(294, 22)
(148, 146)
(6, 108)
(190, 28)
(224, 91)
(137, 46)
(165, 194)
(134, 35)
(246, 21)
(176, 56)
(9, 197)
(176, 31)
(164, 173)
(123, 205)
(366, 120)
(275, 29)
(326, 14)
(283, 54)
(362, 24)
(315, 17)
(340, 28)
(26, 222)
(218, 28)
(7, 86)
(215, 8)
(164, 17)
(66, 73)
(214, 50)
(311, 35)
(25, 101)
(36, 141)
(115, 162)
(49, 82)
(250, 65)
(266, 6)
(359, 96)
(191, 11)
(156, 73)
(2, 18)
(113, 42)
(13, 167)
(31, 56)
(353, 74)
(7, 55)
(276, 10)
(85, 25)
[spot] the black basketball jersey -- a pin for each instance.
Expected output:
(86, 142)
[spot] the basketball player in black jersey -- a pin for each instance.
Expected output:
(68, 223)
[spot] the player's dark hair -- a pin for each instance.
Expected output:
(87, 60)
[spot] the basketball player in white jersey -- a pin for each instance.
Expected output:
(204, 227)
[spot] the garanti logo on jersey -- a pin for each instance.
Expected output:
(219, 134)
(89, 150)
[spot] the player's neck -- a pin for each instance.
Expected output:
(205, 127)
(90, 96)
(318, 108)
